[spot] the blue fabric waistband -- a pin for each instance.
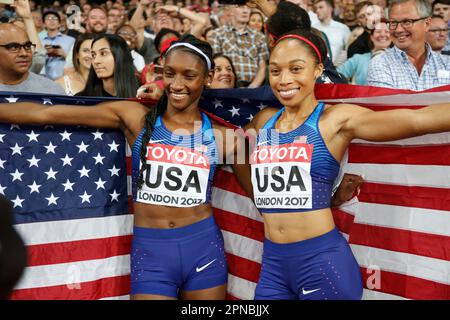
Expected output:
(175, 233)
(290, 249)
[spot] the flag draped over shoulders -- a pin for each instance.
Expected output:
(71, 192)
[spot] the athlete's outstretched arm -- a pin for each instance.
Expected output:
(103, 115)
(395, 124)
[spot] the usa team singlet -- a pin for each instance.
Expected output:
(179, 168)
(293, 171)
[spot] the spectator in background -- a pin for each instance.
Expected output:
(75, 81)
(198, 21)
(23, 10)
(337, 33)
(437, 35)
(37, 19)
(128, 33)
(16, 52)
(442, 8)
(112, 73)
(115, 19)
(58, 45)
(355, 68)
(138, 19)
(224, 73)
(256, 21)
(359, 38)
(246, 47)
(304, 5)
(97, 20)
(411, 63)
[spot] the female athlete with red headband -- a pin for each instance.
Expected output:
(293, 166)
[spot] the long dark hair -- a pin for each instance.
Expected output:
(161, 106)
(125, 79)
(76, 48)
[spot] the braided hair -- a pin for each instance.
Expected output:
(161, 106)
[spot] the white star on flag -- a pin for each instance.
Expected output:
(2, 189)
(84, 172)
(261, 106)
(16, 149)
(85, 197)
(52, 199)
(2, 162)
(17, 175)
(98, 158)
(250, 118)
(65, 135)
(113, 146)
(33, 136)
(114, 171)
(18, 202)
(234, 111)
(114, 196)
(12, 99)
(100, 183)
(97, 135)
(68, 185)
(217, 103)
(15, 126)
(1, 137)
(51, 174)
(67, 160)
(33, 162)
(82, 147)
(46, 101)
(50, 148)
(34, 187)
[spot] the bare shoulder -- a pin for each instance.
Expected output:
(260, 119)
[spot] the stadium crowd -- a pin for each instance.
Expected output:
(115, 48)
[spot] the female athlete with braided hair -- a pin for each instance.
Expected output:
(177, 249)
(296, 159)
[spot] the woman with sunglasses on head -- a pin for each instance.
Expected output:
(294, 164)
(177, 249)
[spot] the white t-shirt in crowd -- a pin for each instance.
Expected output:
(337, 33)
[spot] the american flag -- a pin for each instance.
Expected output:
(79, 247)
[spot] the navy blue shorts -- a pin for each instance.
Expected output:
(163, 261)
(321, 268)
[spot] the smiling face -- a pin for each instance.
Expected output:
(255, 21)
(84, 54)
(184, 78)
(412, 37)
(223, 74)
(380, 37)
(292, 72)
(102, 59)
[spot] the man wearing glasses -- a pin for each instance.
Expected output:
(437, 35)
(16, 53)
(411, 63)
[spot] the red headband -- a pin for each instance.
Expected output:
(312, 45)
(166, 44)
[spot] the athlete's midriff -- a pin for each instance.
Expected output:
(164, 217)
(297, 226)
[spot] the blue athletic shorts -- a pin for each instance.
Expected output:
(164, 261)
(321, 268)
